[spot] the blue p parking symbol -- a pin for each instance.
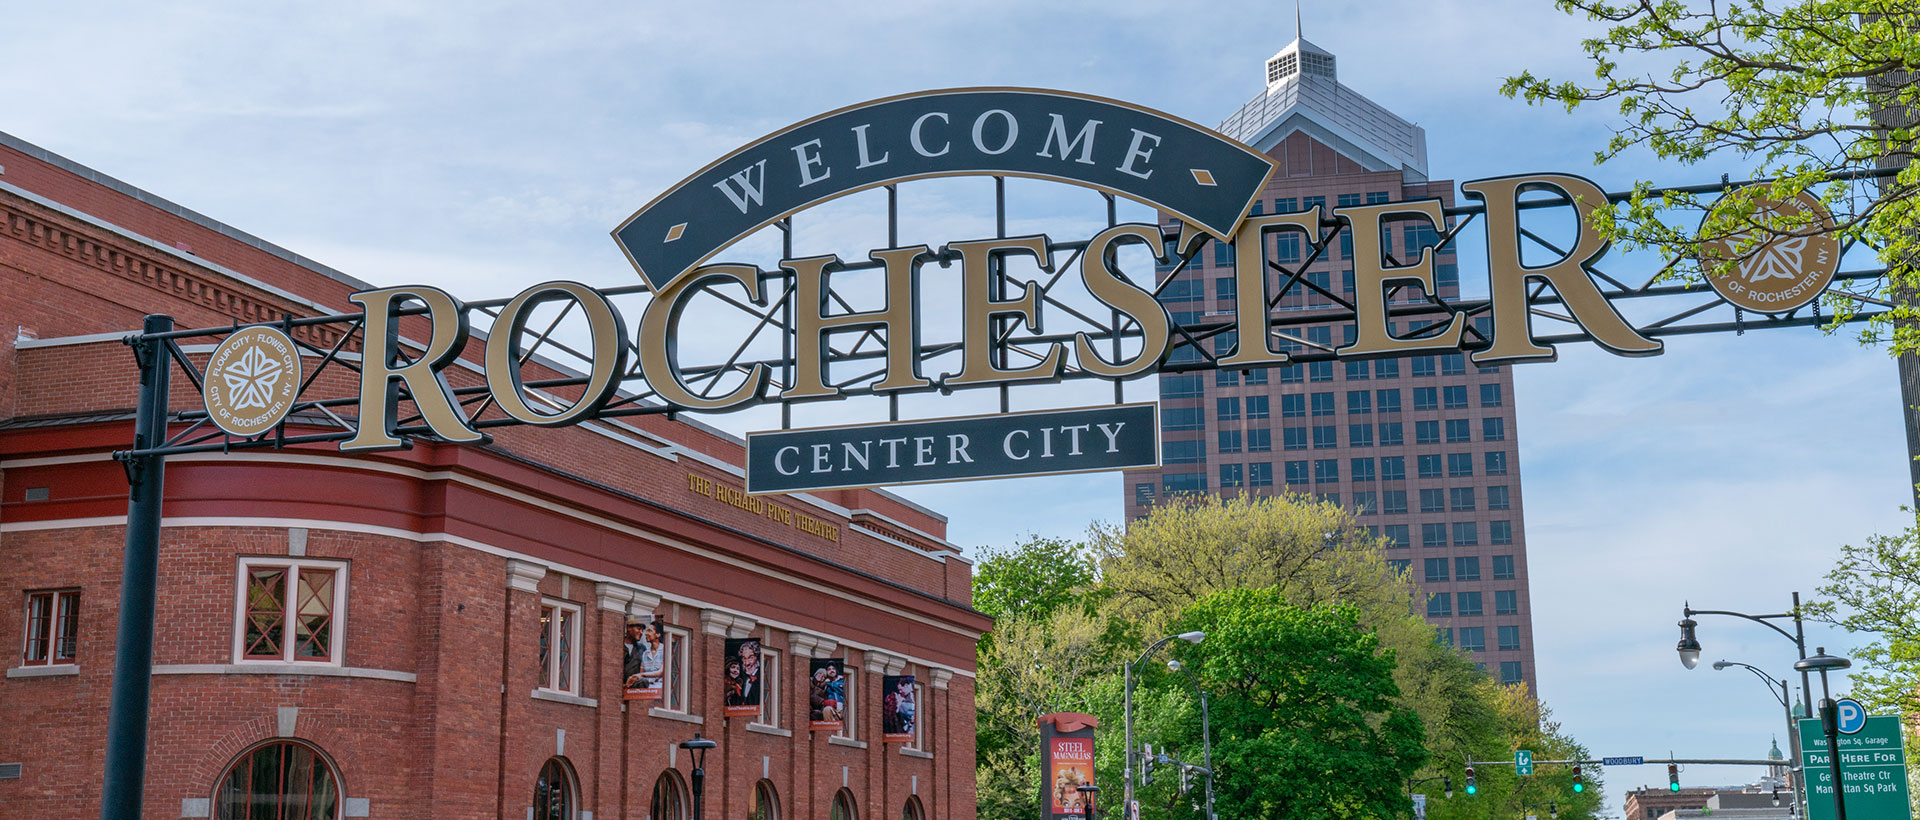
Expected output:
(1853, 716)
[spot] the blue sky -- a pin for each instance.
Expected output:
(490, 145)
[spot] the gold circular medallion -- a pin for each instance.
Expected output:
(1784, 272)
(251, 380)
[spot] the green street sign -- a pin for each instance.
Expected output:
(1873, 770)
(1523, 763)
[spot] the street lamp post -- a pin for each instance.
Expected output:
(1088, 791)
(697, 749)
(1829, 719)
(1206, 732)
(1689, 646)
(1127, 709)
(1786, 704)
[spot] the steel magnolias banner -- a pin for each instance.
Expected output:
(897, 709)
(643, 663)
(826, 694)
(741, 670)
(1066, 748)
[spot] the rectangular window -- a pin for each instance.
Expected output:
(1293, 438)
(1376, 197)
(1231, 475)
(1460, 465)
(559, 646)
(1394, 502)
(1182, 418)
(1192, 451)
(1490, 395)
(1229, 441)
(1433, 535)
(1389, 400)
(1257, 375)
(1362, 469)
(1347, 200)
(1319, 371)
(53, 626)
(1426, 432)
(1503, 568)
(1224, 289)
(1459, 431)
(290, 610)
(1257, 407)
(1466, 568)
(1223, 253)
(1422, 366)
(1287, 248)
(770, 686)
(674, 691)
(1393, 468)
(1390, 435)
(1397, 533)
(1323, 404)
(1433, 500)
(1226, 378)
(1510, 672)
(1429, 466)
(1497, 497)
(1297, 473)
(1293, 406)
(1260, 474)
(1259, 440)
(1455, 396)
(1509, 638)
(1493, 429)
(1356, 371)
(1183, 483)
(1436, 570)
(1359, 401)
(1180, 386)
(1326, 436)
(923, 719)
(1367, 503)
(1461, 499)
(1469, 603)
(1386, 369)
(1506, 602)
(1496, 462)
(1286, 205)
(1500, 532)
(848, 729)
(1359, 435)
(1453, 364)
(1472, 638)
(1326, 471)
(1466, 533)
(1227, 409)
(1426, 398)
(1442, 635)
(1439, 605)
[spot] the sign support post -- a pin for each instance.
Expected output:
(126, 769)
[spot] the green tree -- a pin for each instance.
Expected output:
(1032, 579)
(1304, 714)
(1789, 89)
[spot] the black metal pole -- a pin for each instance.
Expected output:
(126, 767)
(1830, 723)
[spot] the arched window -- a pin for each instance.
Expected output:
(553, 797)
(766, 804)
(843, 806)
(279, 780)
(913, 810)
(669, 801)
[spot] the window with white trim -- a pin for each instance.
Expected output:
(290, 610)
(849, 719)
(922, 718)
(769, 687)
(560, 646)
(53, 622)
(674, 696)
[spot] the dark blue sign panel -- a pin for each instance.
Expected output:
(958, 449)
(1193, 172)
(1635, 760)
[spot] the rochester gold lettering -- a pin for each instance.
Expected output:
(899, 319)
(384, 369)
(1107, 285)
(606, 330)
(1250, 285)
(978, 309)
(1370, 277)
(659, 327)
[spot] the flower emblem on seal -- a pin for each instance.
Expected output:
(1783, 273)
(251, 380)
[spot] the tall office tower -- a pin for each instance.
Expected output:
(1422, 449)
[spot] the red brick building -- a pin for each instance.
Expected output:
(432, 632)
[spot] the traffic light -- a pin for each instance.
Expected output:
(1673, 777)
(1578, 785)
(1447, 780)
(1472, 788)
(1146, 765)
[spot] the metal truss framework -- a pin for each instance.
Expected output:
(1294, 302)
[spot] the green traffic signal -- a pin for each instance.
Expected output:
(1472, 789)
(1673, 787)
(1579, 787)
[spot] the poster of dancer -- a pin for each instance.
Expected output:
(826, 694)
(643, 665)
(742, 677)
(897, 709)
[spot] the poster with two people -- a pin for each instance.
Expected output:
(741, 677)
(643, 664)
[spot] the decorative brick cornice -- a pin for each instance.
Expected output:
(884, 663)
(941, 678)
(524, 575)
(725, 624)
(615, 597)
(809, 645)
